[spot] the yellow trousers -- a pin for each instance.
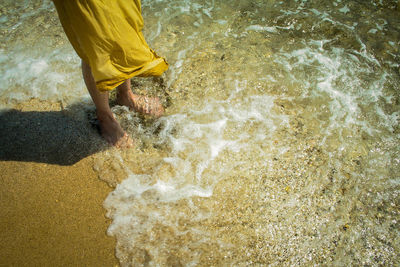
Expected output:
(107, 35)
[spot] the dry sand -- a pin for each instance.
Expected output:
(51, 199)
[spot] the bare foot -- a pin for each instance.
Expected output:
(112, 132)
(124, 142)
(140, 103)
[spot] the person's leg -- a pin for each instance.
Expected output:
(139, 103)
(125, 96)
(109, 127)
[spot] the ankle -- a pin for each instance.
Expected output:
(123, 93)
(105, 115)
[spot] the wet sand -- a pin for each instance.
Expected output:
(51, 210)
(53, 216)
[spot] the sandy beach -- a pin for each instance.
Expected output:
(51, 202)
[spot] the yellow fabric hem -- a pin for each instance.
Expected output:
(153, 68)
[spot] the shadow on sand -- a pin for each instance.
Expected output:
(52, 137)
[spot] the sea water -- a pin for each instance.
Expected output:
(280, 144)
(36, 58)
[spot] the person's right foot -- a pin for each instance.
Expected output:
(140, 103)
(112, 132)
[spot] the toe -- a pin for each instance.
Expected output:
(124, 142)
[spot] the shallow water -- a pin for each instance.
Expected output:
(280, 145)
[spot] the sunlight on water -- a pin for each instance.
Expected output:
(36, 59)
(280, 145)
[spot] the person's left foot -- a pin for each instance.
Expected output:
(112, 132)
(140, 103)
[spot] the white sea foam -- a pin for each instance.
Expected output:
(196, 159)
(233, 138)
(373, 31)
(260, 28)
(55, 76)
(333, 67)
(294, 153)
(344, 9)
